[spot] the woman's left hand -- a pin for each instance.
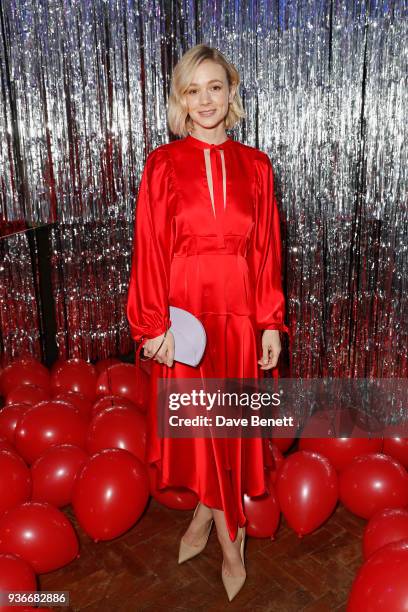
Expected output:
(271, 348)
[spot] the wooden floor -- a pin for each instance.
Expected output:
(139, 570)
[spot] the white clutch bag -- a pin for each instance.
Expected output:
(189, 334)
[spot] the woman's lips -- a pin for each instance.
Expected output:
(207, 113)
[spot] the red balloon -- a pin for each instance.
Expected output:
(46, 424)
(397, 448)
(15, 575)
(9, 417)
(15, 481)
(307, 488)
(24, 372)
(27, 394)
(57, 365)
(373, 482)
(263, 513)
(40, 534)
(283, 444)
(177, 498)
(110, 493)
(118, 428)
(386, 526)
(127, 381)
(82, 404)
(6, 445)
(110, 401)
(53, 474)
(75, 375)
(381, 583)
(340, 451)
(104, 364)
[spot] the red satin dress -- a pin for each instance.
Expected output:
(207, 239)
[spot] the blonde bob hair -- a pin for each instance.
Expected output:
(177, 114)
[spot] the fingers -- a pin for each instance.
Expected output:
(166, 353)
(265, 353)
(271, 348)
(161, 356)
(147, 352)
(169, 357)
(170, 349)
(269, 358)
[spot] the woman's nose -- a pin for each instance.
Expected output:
(205, 97)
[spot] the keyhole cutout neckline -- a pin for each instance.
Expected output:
(201, 144)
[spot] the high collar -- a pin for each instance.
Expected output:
(201, 144)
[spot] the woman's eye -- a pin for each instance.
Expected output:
(193, 91)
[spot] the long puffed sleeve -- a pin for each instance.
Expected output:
(147, 303)
(264, 256)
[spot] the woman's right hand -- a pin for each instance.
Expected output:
(166, 352)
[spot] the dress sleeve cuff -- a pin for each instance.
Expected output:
(152, 333)
(279, 326)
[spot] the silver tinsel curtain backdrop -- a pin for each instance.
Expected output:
(83, 94)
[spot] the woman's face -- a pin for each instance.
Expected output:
(208, 95)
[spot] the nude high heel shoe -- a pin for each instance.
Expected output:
(188, 552)
(233, 584)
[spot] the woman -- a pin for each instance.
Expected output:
(207, 239)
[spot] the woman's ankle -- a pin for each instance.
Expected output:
(229, 546)
(204, 512)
